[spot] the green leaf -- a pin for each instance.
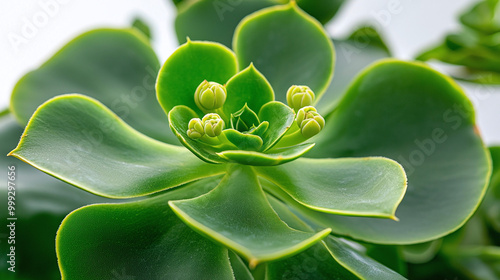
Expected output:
(358, 187)
(337, 261)
(483, 17)
(118, 67)
(280, 118)
(188, 67)
(78, 140)
(42, 203)
(214, 20)
(142, 26)
(414, 115)
(322, 10)
(247, 87)
(238, 215)
(358, 263)
(242, 140)
(240, 269)
(288, 46)
(363, 47)
(179, 118)
(271, 157)
(105, 240)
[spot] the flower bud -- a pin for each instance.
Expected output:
(212, 125)
(210, 96)
(195, 129)
(309, 121)
(299, 96)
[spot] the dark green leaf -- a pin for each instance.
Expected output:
(280, 118)
(107, 241)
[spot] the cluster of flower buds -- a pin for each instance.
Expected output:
(210, 96)
(298, 97)
(309, 121)
(211, 125)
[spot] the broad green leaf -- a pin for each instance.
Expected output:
(272, 157)
(188, 67)
(247, 87)
(214, 20)
(358, 187)
(179, 118)
(288, 46)
(280, 118)
(358, 263)
(118, 67)
(242, 140)
(143, 240)
(363, 47)
(337, 261)
(78, 140)
(414, 115)
(322, 10)
(238, 215)
(42, 202)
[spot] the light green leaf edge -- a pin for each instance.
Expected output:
(121, 122)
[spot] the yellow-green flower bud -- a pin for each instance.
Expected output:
(212, 125)
(210, 96)
(309, 121)
(299, 96)
(195, 129)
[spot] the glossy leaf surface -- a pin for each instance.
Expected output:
(430, 120)
(80, 141)
(117, 67)
(188, 67)
(358, 187)
(238, 215)
(127, 239)
(288, 46)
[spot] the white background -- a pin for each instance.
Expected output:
(409, 26)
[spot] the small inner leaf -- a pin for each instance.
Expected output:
(280, 118)
(244, 119)
(242, 140)
(272, 157)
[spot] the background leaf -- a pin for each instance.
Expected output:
(115, 66)
(418, 117)
(288, 46)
